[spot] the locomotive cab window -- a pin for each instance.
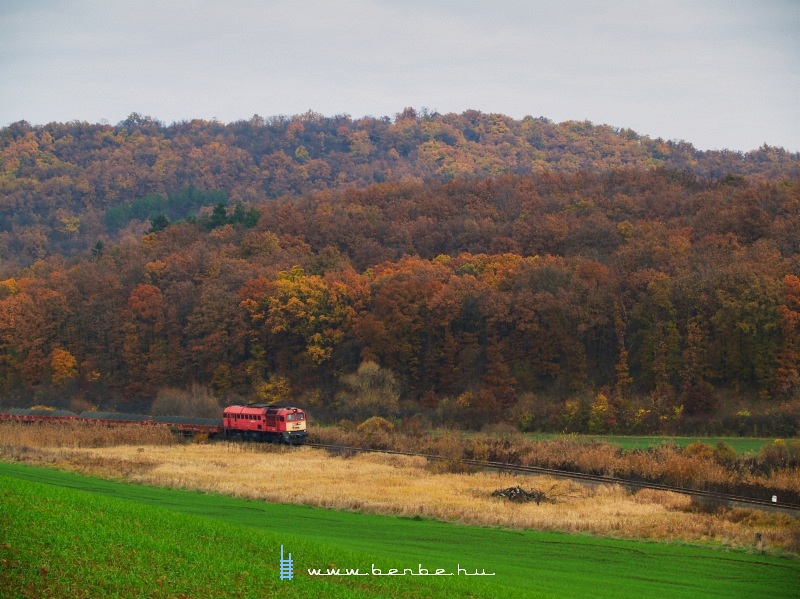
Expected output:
(290, 417)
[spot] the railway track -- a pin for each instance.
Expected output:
(790, 508)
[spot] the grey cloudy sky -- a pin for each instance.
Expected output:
(717, 73)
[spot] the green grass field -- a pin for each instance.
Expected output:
(741, 445)
(64, 535)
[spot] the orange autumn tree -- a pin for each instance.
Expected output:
(64, 366)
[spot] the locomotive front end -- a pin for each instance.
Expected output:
(295, 426)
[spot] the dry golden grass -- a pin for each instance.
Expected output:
(666, 464)
(81, 434)
(391, 484)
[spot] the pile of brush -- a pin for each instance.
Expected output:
(520, 495)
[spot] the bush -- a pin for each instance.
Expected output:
(196, 401)
(373, 425)
(725, 454)
(369, 390)
(699, 450)
(537, 413)
(471, 409)
(765, 420)
(415, 426)
(79, 404)
(602, 415)
(375, 432)
(780, 454)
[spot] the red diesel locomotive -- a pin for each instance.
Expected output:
(265, 422)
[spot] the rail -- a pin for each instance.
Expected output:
(579, 476)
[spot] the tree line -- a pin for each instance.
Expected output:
(632, 300)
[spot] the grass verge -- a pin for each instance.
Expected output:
(73, 536)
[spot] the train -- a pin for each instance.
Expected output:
(265, 422)
(256, 422)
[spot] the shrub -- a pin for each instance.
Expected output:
(780, 454)
(79, 404)
(725, 454)
(196, 401)
(376, 432)
(471, 409)
(576, 413)
(537, 413)
(602, 415)
(375, 424)
(415, 426)
(699, 450)
(369, 390)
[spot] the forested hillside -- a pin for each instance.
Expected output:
(462, 268)
(64, 186)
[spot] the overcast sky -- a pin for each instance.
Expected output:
(717, 73)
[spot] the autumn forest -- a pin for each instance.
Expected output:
(462, 270)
